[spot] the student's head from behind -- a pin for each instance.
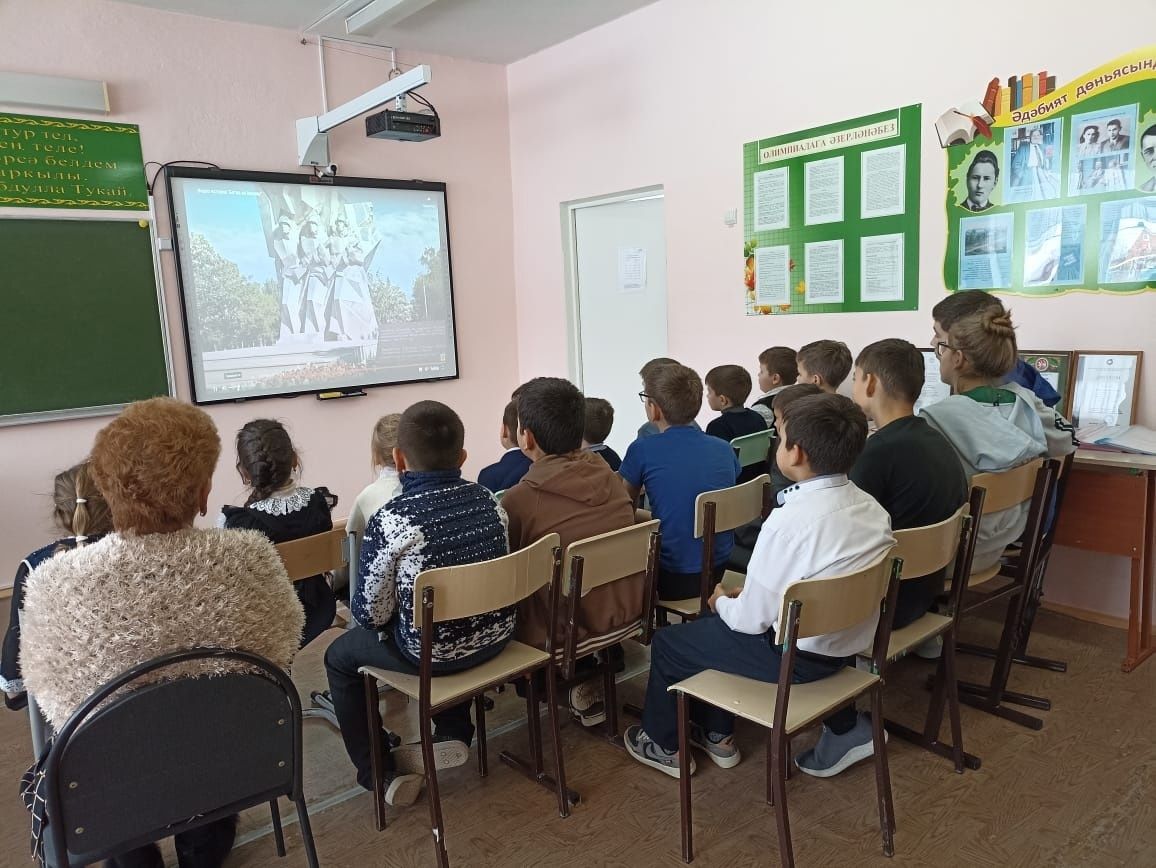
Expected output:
(508, 433)
(824, 363)
(154, 463)
(1148, 147)
(266, 459)
(821, 435)
(655, 364)
(982, 176)
(778, 366)
(788, 396)
(888, 371)
(957, 306)
(80, 509)
(599, 421)
(727, 386)
(384, 440)
(672, 394)
(551, 417)
(980, 349)
(430, 436)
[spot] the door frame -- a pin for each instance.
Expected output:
(570, 267)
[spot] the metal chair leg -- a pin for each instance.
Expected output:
(278, 832)
(306, 832)
(882, 773)
(480, 717)
(556, 735)
(437, 824)
(684, 799)
(952, 684)
(779, 787)
(376, 758)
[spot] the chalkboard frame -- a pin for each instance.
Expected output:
(100, 216)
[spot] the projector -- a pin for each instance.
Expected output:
(403, 126)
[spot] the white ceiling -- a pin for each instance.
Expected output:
(495, 31)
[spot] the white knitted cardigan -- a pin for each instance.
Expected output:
(94, 612)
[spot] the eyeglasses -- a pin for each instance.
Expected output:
(643, 397)
(945, 346)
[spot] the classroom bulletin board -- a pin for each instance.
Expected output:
(831, 217)
(1062, 197)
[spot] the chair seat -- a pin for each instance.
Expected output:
(755, 700)
(515, 658)
(906, 638)
(981, 576)
(689, 606)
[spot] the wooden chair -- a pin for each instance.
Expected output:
(811, 607)
(754, 448)
(1032, 606)
(452, 593)
(593, 563)
(1030, 483)
(716, 512)
(309, 556)
(925, 551)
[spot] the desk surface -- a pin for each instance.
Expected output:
(1096, 458)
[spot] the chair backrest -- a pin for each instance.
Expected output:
(839, 602)
(172, 754)
(927, 550)
(753, 448)
(474, 589)
(1008, 488)
(319, 553)
(734, 506)
(611, 556)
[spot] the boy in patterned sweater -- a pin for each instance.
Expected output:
(438, 520)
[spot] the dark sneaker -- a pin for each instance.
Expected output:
(449, 753)
(16, 701)
(587, 703)
(639, 746)
(403, 790)
(720, 748)
(834, 753)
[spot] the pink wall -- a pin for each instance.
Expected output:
(668, 95)
(228, 93)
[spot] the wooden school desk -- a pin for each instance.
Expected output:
(1110, 508)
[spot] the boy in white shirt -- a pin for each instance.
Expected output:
(825, 527)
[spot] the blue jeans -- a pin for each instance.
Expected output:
(682, 650)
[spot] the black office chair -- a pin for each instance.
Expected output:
(171, 756)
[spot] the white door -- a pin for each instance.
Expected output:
(618, 302)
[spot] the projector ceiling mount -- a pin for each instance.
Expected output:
(313, 132)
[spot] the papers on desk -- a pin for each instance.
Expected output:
(1122, 438)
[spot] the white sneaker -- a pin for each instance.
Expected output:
(587, 702)
(932, 649)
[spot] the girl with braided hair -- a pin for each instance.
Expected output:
(283, 510)
(81, 512)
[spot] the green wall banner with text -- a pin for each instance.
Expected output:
(1062, 197)
(832, 217)
(67, 163)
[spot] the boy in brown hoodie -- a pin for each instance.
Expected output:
(575, 494)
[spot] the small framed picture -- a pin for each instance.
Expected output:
(1105, 389)
(1054, 366)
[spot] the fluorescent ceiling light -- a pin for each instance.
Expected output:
(54, 92)
(382, 13)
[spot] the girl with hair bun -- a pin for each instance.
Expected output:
(82, 513)
(283, 510)
(991, 426)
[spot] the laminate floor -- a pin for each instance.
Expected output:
(1080, 792)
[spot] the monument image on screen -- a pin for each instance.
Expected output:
(291, 287)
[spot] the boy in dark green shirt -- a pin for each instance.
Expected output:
(914, 474)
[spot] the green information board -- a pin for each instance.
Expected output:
(89, 332)
(831, 217)
(64, 163)
(1062, 197)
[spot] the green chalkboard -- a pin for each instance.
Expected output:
(83, 330)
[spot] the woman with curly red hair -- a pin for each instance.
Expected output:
(178, 586)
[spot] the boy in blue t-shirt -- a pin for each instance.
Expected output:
(674, 467)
